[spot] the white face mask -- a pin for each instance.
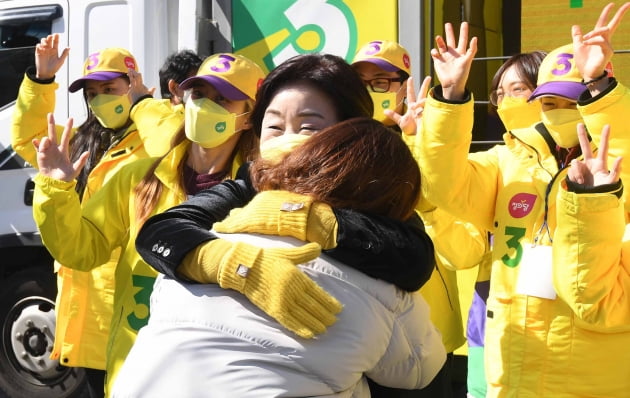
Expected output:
(112, 111)
(562, 126)
(517, 113)
(276, 148)
(207, 123)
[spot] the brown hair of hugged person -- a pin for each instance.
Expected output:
(358, 164)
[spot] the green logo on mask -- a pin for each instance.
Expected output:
(385, 104)
(119, 109)
(220, 127)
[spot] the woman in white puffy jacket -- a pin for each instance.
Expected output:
(204, 341)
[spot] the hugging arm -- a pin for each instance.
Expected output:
(400, 253)
(397, 252)
(166, 238)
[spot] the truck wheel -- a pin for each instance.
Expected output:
(27, 320)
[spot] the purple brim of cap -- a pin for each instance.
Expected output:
(79, 83)
(226, 89)
(568, 90)
(386, 66)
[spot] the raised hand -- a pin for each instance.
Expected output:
(408, 122)
(593, 171)
(452, 60)
(53, 159)
(137, 88)
(593, 50)
(47, 58)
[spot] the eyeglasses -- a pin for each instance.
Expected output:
(497, 96)
(381, 84)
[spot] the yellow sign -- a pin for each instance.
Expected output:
(546, 25)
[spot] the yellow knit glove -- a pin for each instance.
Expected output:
(286, 214)
(270, 279)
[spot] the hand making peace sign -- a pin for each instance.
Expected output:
(593, 171)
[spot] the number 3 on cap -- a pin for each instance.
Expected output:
(374, 48)
(222, 63)
(564, 64)
(93, 61)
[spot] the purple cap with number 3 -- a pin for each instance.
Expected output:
(558, 76)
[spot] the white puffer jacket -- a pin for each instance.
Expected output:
(204, 341)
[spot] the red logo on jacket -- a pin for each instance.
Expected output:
(521, 204)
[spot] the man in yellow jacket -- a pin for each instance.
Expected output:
(384, 66)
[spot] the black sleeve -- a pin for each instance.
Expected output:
(31, 72)
(142, 98)
(397, 252)
(437, 94)
(614, 188)
(586, 98)
(166, 238)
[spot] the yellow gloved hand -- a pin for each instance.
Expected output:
(284, 213)
(270, 279)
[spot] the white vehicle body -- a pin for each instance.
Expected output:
(150, 31)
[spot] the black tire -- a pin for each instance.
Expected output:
(26, 308)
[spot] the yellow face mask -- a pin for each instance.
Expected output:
(383, 101)
(112, 111)
(276, 148)
(562, 126)
(207, 123)
(517, 113)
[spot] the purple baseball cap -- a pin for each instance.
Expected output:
(102, 76)
(226, 89)
(565, 89)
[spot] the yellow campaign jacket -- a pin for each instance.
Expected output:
(84, 300)
(597, 113)
(34, 102)
(84, 238)
(595, 282)
(534, 346)
(458, 245)
(157, 121)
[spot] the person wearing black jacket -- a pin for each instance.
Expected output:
(398, 252)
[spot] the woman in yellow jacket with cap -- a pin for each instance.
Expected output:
(538, 342)
(83, 305)
(214, 141)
